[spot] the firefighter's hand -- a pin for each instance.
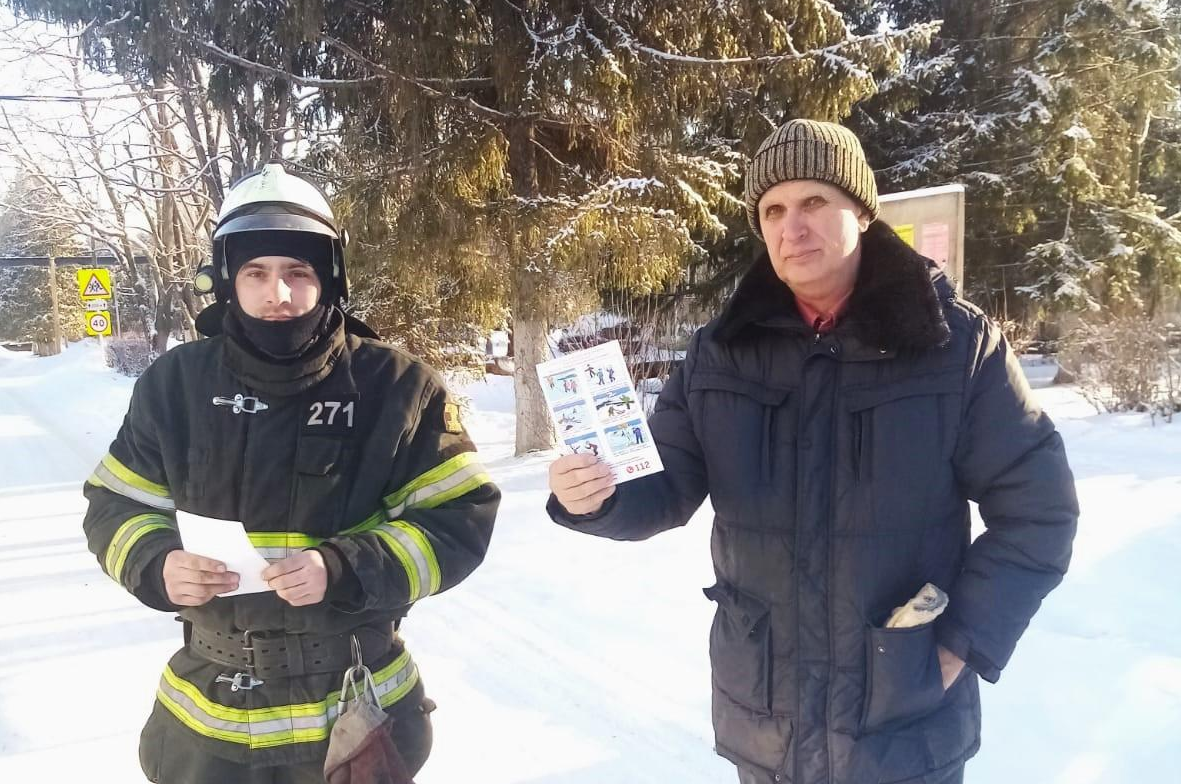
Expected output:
(581, 483)
(299, 579)
(192, 580)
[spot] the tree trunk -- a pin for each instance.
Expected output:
(187, 87)
(531, 415)
(532, 421)
(1142, 126)
(164, 321)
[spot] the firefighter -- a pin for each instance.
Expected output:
(345, 460)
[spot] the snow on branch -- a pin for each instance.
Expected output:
(480, 109)
(629, 41)
(279, 73)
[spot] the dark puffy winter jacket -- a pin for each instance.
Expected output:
(840, 467)
(357, 452)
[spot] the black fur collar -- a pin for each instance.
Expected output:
(895, 304)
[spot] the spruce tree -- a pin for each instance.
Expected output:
(29, 227)
(1061, 118)
(531, 155)
(503, 160)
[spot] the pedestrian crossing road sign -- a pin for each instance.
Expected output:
(94, 284)
(98, 323)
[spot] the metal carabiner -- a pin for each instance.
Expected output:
(240, 403)
(242, 681)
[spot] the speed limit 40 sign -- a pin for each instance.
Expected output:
(98, 323)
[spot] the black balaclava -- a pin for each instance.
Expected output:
(289, 339)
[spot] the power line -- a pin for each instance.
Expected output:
(52, 98)
(81, 261)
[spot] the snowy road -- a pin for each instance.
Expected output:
(569, 659)
(73, 684)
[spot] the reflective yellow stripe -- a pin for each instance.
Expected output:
(292, 541)
(371, 522)
(452, 479)
(132, 478)
(422, 544)
(435, 476)
(410, 545)
(396, 546)
(277, 725)
(126, 536)
(467, 486)
(278, 545)
(432, 495)
(117, 477)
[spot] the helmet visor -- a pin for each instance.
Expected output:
(273, 221)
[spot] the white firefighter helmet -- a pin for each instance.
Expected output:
(272, 199)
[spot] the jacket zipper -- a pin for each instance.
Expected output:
(767, 443)
(245, 463)
(857, 444)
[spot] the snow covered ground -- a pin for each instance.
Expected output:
(570, 659)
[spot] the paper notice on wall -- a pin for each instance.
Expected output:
(597, 411)
(935, 242)
(225, 541)
(905, 232)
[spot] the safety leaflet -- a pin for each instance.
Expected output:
(597, 411)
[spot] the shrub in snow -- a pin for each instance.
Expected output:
(1127, 363)
(1020, 335)
(130, 354)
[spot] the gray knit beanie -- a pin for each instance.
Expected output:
(810, 150)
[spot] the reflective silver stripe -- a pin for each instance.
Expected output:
(423, 586)
(425, 493)
(191, 708)
(117, 485)
(301, 725)
(277, 553)
(252, 729)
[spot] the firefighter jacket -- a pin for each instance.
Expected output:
(355, 449)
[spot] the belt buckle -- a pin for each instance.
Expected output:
(248, 647)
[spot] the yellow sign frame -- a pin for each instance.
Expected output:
(94, 284)
(89, 319)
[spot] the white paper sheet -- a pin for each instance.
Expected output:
(225, 541)
(596, 410)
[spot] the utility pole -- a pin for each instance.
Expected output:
(115, 302)
(56, 314)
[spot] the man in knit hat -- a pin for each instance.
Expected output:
(842, 411)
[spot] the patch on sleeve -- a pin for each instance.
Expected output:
(452, 418)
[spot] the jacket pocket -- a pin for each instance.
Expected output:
(897, 445)
(197, 469)
(317, 456)
(740, 648)
(903, 677)
(320, 486)
(859, 447)
(946, 382)
(747, 413)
